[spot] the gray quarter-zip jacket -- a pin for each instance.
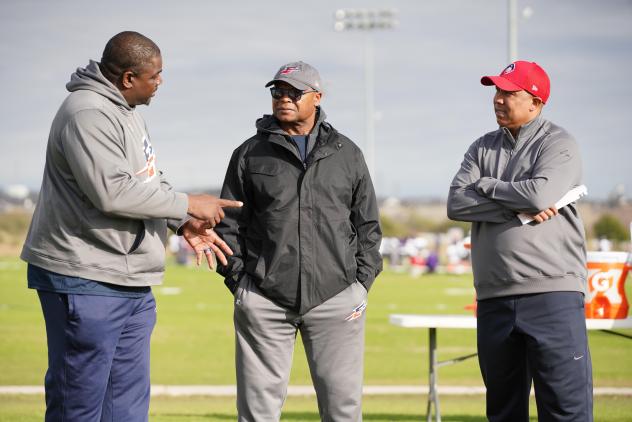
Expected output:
(103, 205)
(501, 176)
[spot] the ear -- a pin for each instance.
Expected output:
(126, 79)
(536, 103)
(317, 97)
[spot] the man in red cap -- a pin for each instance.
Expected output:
(530, 279)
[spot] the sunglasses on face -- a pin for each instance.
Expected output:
(292, 93)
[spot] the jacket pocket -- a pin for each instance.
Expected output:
(334, 254)
(263, 167)
(273, 184)
(351, 250)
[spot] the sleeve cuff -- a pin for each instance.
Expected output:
(176, 225)
(181, 204)
(365, 280)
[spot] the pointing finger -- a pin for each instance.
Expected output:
(230, 204)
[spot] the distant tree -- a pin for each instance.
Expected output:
(448, 224)
(13, 228)
(391, 227)
(611, 228)
(417, 223)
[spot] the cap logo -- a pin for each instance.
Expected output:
(509, 69)
(534, 88)
(289, 69)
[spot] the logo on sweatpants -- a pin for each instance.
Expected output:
(357, 312)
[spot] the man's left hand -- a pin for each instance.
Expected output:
(205, 242)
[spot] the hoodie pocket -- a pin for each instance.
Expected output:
(147, 252)
(110, 234)
(140, 235)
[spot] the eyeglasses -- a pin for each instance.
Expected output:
(292, 93)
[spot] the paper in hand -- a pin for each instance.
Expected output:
(571, 196)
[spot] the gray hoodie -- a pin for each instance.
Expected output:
(501, 176)
(103, 204)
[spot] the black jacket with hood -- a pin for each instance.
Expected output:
(306, 230)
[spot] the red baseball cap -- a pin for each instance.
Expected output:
(521, 75)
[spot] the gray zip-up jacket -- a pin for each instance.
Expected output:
(501, 176)
(103, 204)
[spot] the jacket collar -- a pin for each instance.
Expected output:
(326, 143)
(527, 131)
(324, 146)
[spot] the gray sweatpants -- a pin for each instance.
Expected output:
(333, 337)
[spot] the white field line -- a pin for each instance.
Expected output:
(308, 390)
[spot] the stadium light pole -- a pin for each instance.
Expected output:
(512, 36)
(367, 20)
(512, 28)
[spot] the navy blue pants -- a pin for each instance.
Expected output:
(98, 357)
(539, 338)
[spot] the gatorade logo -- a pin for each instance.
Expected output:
(603, 280)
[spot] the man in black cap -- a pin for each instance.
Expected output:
(305, 253)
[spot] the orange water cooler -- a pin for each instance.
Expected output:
(467, 244)
(607, 272)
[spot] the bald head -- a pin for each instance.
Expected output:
(125, 51)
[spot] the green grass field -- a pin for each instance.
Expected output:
(304, 409)
(193, 344)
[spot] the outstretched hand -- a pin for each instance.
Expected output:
(209, 208)
(205, 242)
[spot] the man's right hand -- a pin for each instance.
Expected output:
(544, 215)
(209, 207)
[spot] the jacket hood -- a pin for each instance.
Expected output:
(90, 78)
(269, 123)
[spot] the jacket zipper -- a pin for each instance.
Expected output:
(300, 222)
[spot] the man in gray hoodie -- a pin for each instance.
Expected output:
(530, 279)
(96, 241)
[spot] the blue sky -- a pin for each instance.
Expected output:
(430, 105)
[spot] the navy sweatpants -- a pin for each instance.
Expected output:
(540, 338)
(98, 357)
